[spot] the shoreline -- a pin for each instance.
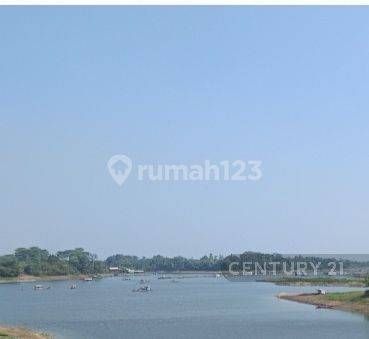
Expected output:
(357, 301)
(348, 282)
(326, 284)
(31, 278)
(21, 333)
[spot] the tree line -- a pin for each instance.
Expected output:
(38, 262)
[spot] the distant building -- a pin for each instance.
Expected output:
(114, 269)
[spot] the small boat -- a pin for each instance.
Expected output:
(88, 279)
(125, 278)
(164, 277)
(143, 289)
(143, 281)
(73, 287)
(38, 287)
(323, 306)
(175, 281)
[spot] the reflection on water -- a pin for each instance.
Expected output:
(191, 308)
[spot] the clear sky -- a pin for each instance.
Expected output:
(288, 86)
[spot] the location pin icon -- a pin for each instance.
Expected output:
(119, 167)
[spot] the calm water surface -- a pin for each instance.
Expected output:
(192, 308)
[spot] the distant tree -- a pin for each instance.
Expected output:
(9, 266)
(366, 280)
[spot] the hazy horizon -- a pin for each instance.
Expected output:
(287, 86)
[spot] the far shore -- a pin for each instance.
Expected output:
(357, 301)
(21, 333)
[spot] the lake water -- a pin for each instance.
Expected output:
(192, 308)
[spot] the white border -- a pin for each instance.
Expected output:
(184, 2)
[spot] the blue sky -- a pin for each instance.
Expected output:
(285, 85)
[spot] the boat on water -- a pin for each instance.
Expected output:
(73, 287)
(125, 278)
(323, 306)
(38, 287)
(144, 281)
(164, 277)
(146, 288)
(88, 279)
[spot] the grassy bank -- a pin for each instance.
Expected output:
(319, 281)
(20, 333)
(357, 301)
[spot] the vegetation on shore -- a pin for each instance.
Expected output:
(160, 263)
(21, 333)
(357, 301)
(38, 262)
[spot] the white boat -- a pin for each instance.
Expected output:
(146, 288)
(164, 277)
